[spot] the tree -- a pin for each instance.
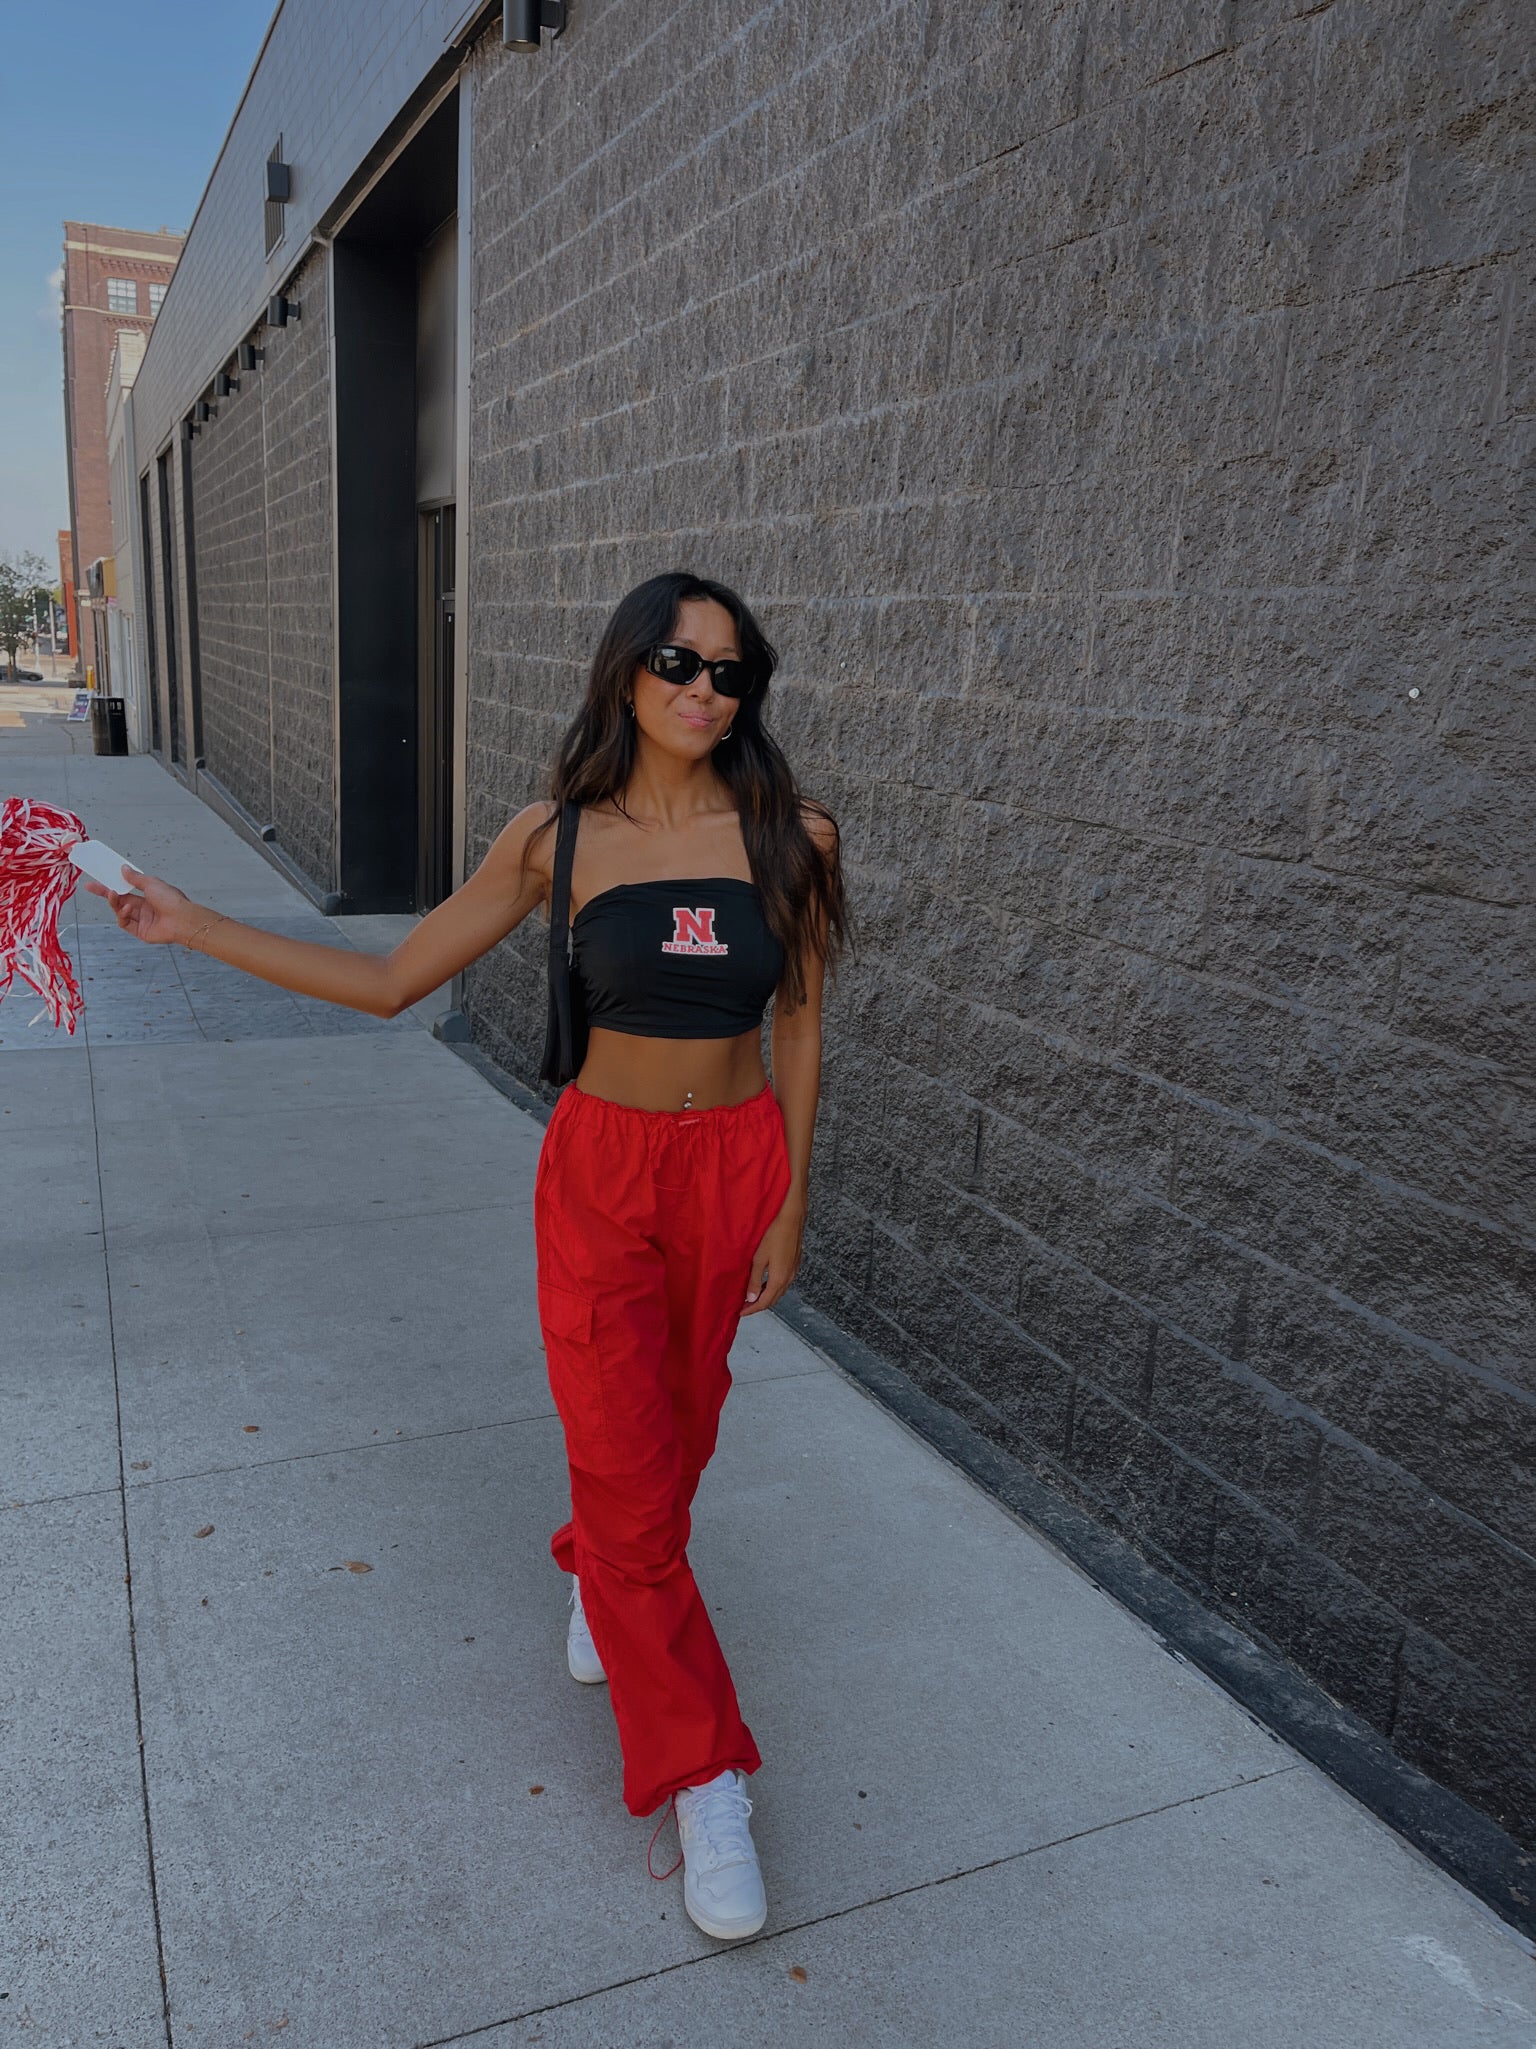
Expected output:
(22, 590)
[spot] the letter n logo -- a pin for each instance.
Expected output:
(693, 928)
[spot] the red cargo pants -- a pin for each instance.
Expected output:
(645, 1223)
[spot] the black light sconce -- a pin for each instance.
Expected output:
(188, 430)
(202, 412)
(281, 310)
(521, 21)
(250, 355)
(224, 384)
(277, 188)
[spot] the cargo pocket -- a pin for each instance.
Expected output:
(570, 1355)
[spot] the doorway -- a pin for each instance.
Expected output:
(394, 283)
(152, 686)
(168, 635)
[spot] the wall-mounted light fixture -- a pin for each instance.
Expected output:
(277, 189)
(280, 310)
(521, 21)
(188, 430)
(202, 412)
(250, 355)
(224, 384)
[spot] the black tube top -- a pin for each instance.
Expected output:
(689, 958)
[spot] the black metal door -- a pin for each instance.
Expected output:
(434, 874)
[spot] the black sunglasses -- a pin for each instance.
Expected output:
(682, 664)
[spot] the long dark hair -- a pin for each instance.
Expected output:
(800, 887)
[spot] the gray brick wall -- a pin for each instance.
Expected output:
(262, 532)
(229, 500)
(1116, 414)
(300, 583)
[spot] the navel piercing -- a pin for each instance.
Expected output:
(688, 1100)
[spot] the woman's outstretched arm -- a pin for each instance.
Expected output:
(490, 904)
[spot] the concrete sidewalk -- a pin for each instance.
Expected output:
(284, 1715)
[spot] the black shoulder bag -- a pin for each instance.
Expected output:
(565, 1031)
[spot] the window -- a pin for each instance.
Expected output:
(156, 299)
(122, 295)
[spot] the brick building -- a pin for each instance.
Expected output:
(1116, 416)
(114, 282)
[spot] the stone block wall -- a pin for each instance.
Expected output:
(262, 532)
(301, 593)
(229, 500)
(1117, 415)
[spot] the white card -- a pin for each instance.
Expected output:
(96, 859)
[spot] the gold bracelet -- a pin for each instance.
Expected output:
(218, 918)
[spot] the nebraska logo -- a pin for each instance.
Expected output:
(693, 931)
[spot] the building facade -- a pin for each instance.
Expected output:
(120, 607)
(1116, 417)
(115, 280)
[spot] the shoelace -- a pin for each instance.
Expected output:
(721, 1820)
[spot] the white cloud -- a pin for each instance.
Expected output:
(51, 312)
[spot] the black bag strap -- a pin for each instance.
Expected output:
(559, 1047)
(560, 894)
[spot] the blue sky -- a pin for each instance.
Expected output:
(112, 114)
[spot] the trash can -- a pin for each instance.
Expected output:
(109, 725)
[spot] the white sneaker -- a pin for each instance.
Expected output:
(722, 1881)
(580, 1650)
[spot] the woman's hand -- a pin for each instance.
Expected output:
(776, 1259)
(161, 915)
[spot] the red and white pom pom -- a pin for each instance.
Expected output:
(37, 879)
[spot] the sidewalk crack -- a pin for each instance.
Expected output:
(294, 1458)
(122, 1494)
(900, 1892)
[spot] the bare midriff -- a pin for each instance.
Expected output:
(672, 1074)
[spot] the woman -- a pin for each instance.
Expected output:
(670, 1198)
